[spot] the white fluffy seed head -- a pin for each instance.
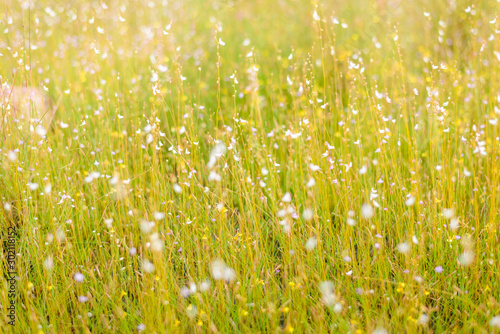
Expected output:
(367, 211)
(156, 243)
(48, 263)
(466, 258)
(311, 183)
(185, 292)
(410, 201)
(60, 235)
(220, 271)
(40, 130)
(205, 285)
(448, 213)
(403, 247)
(217, 151)
(7, 206)
(308, 214)
(327, 291)
(213, 176)
(177, 188)
(311, 244)
(423, 319)
(229, 274)
(159, 215)
(380, 330)
(78, 277)
(454, 223)
(12, 156)
(146, 226)
(495, 322)
(147, 266)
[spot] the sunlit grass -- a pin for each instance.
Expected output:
(254, 166)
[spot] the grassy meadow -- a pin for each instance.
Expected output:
(230, 166)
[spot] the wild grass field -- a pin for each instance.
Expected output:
(259, 166)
